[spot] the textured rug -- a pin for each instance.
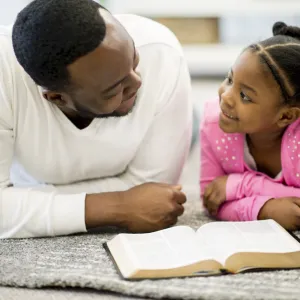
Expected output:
(81, 261)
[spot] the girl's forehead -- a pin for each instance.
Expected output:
(250, 70)
(248, 63)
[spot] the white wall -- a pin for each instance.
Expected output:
(9, 10)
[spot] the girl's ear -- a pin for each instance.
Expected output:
(288, 116)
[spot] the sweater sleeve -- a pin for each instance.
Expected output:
(210, 167)
(29, 212)
(247, 193)
(250, 184)
(244, 209)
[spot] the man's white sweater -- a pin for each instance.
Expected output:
(48, 165)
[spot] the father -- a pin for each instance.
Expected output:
(94, 107)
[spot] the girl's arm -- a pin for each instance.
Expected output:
(250, 184)
(210, 167)
(244, 209)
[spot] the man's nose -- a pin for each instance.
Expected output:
(137, 80)
(134, 84)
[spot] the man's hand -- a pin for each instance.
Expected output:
(215, 194)
(285, 211)
(144, 208)
(152, 206)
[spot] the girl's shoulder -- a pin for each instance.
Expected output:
(291, 139)
(210, 125)
(291, 154)
(293, 129)
(210, 120)
(227, 148)
(211, 112)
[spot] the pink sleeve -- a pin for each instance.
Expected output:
(250, 184)
(245, 209)
(210, 167)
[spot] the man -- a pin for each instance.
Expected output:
(93, 108)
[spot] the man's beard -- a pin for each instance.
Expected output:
(84, 113)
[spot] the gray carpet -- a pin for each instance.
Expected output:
(80, 261)
(11, 293)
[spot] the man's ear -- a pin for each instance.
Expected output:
(288, 116)
(55, 98)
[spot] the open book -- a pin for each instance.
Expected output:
(215, 248)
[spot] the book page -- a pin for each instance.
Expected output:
(165, 249)
(227, 238)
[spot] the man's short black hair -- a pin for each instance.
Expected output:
(48, 35)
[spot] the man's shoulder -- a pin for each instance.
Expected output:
(8, 59)
(161, 62)
(6, 30)
(6, 40)
(7, 62)
(148, 32)
(14, 80)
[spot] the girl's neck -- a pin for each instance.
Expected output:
(265, 140)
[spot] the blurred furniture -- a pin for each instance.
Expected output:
(213, 32)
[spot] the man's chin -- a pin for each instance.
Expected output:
(126, 107)
(121, 111)
(117, 113)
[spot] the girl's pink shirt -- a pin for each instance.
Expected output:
(246, 190)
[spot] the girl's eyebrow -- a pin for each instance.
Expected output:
(245, 86)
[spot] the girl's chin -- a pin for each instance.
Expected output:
(227, 128)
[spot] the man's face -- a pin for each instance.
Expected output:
(105, 82)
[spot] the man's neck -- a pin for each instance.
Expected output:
(76, 119)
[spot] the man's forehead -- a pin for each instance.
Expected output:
(115, 32)
(102, 66)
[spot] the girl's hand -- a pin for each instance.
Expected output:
(285, 211)
(215, 194)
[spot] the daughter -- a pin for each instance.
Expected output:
(250, 139)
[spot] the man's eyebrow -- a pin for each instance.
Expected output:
(120, 81)
(245, 86)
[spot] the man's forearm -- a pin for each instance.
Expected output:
(105, 209)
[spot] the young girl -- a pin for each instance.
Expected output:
(250, 139)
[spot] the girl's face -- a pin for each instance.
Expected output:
(250, 98)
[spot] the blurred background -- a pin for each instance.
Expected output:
(212, 32)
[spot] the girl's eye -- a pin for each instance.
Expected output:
(245, 98)
(229, 79)
(136, 60)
